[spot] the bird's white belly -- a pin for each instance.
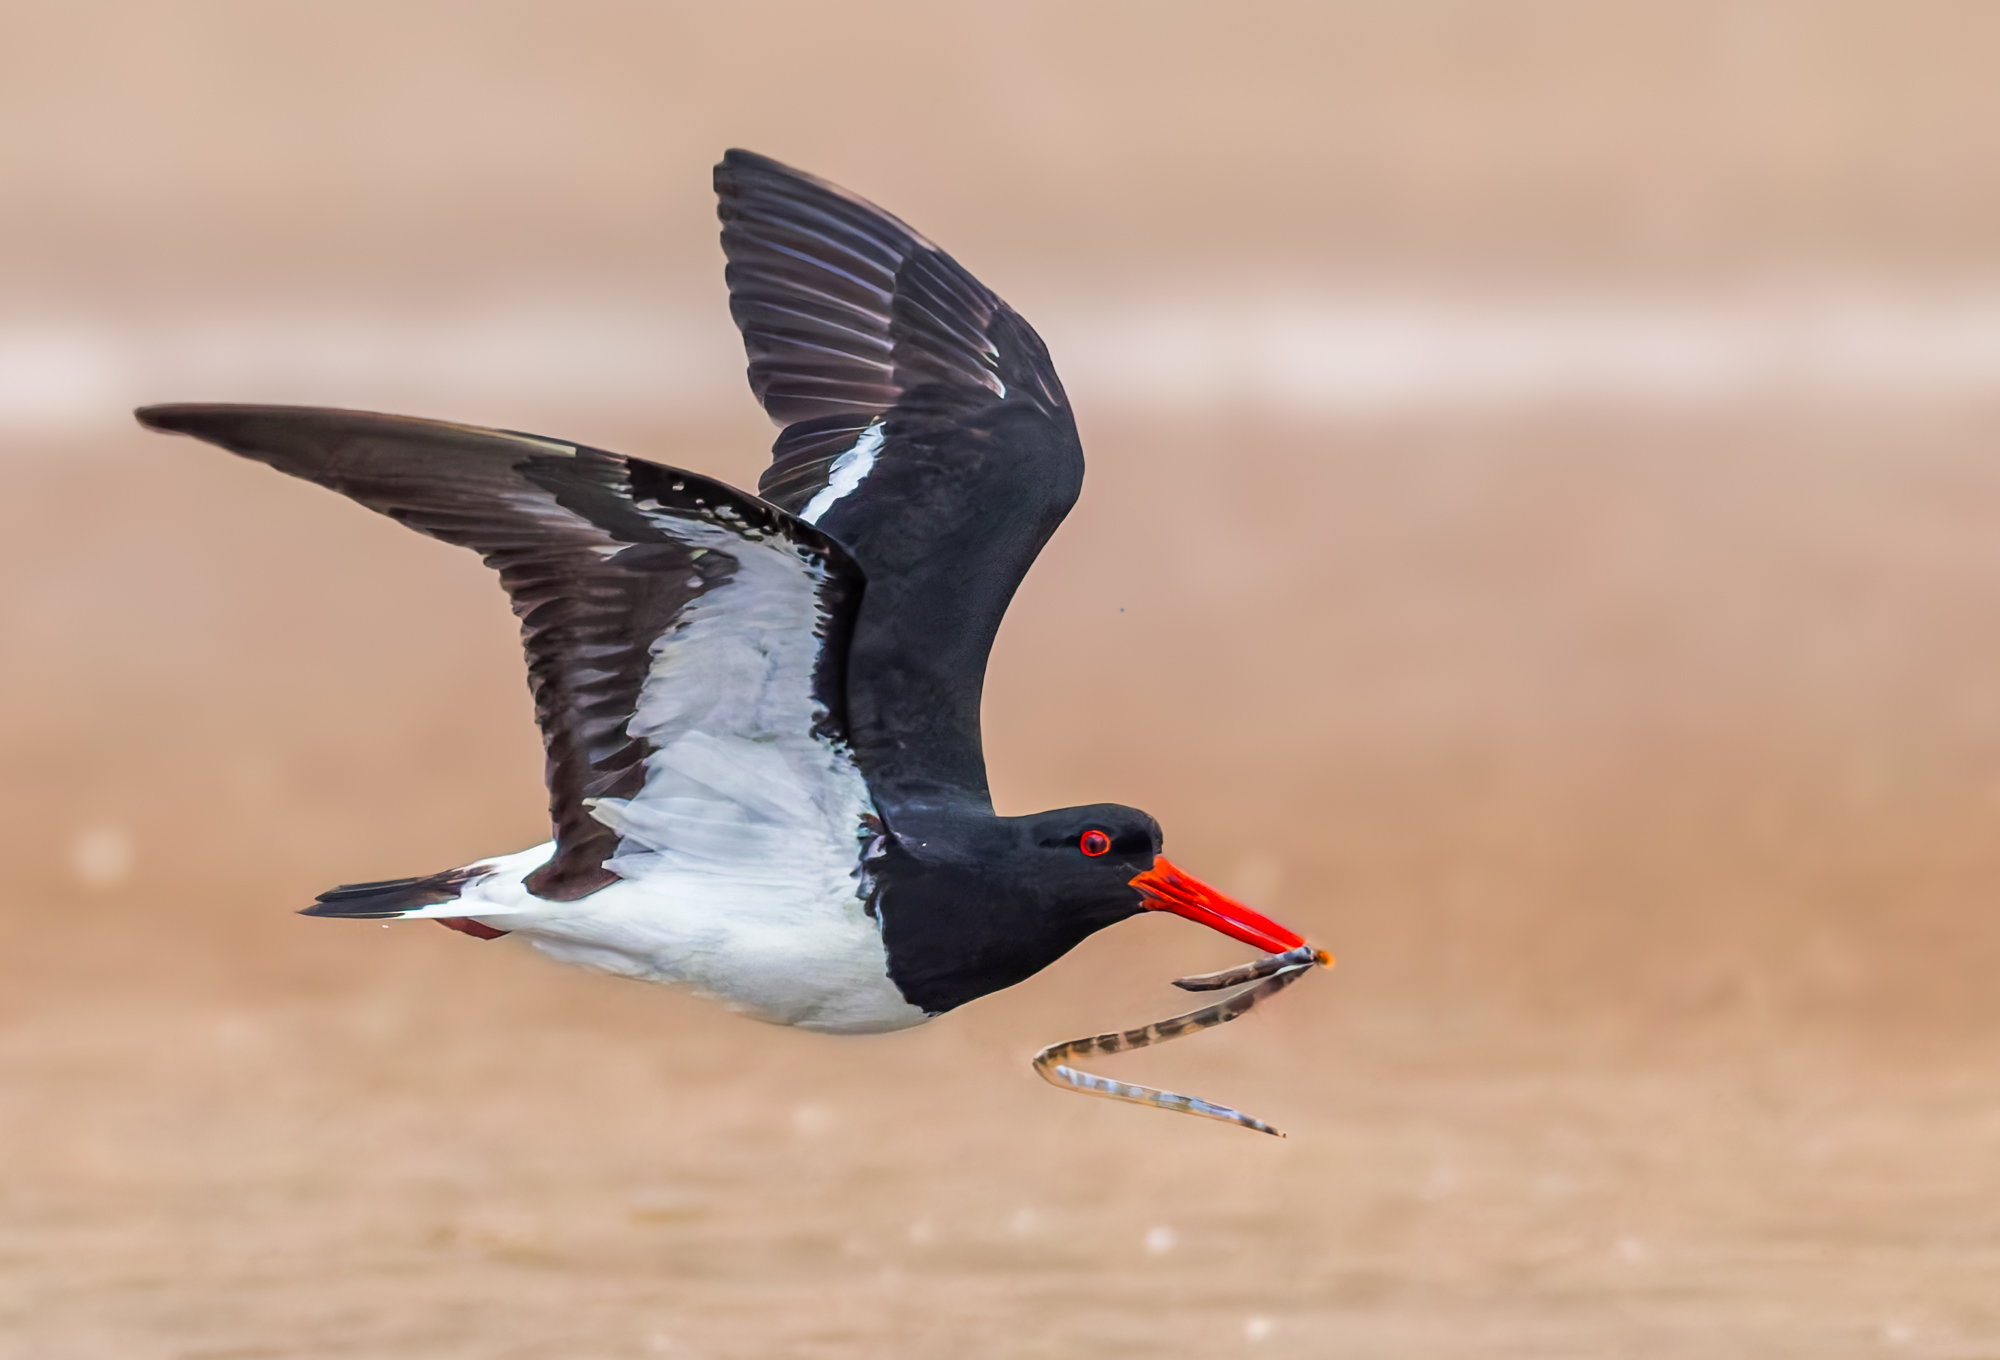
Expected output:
(777, 949)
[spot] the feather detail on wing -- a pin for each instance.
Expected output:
(663, 615)
(924, 429)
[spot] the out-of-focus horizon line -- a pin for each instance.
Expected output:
(1320, 355)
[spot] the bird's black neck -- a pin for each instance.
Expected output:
(961, 910)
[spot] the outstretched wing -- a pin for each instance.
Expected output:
(924, 429)
(659, 610)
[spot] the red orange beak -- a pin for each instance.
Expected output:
(1166, 888)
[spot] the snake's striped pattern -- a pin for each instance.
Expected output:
(1256, 968)
(1278, 972)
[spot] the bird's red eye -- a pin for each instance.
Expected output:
(1094, 843)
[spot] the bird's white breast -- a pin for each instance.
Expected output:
(738, 858)
(790, 948)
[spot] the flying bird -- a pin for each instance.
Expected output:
(761, 712)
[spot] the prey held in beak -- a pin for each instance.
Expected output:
(1270, 975)
(1287, 958)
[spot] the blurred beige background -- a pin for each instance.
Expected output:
(1542, 538)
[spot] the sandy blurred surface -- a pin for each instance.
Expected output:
(1640, 762)
(1660, 879)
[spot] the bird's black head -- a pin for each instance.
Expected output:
(970, 905)
(1079, 862)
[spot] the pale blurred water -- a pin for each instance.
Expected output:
(1284, 357)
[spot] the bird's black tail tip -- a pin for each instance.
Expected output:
(173, 417)
(389, 897)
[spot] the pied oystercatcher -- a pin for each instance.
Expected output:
(761, 713)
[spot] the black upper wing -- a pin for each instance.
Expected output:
(602, 556)
(924, 430)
